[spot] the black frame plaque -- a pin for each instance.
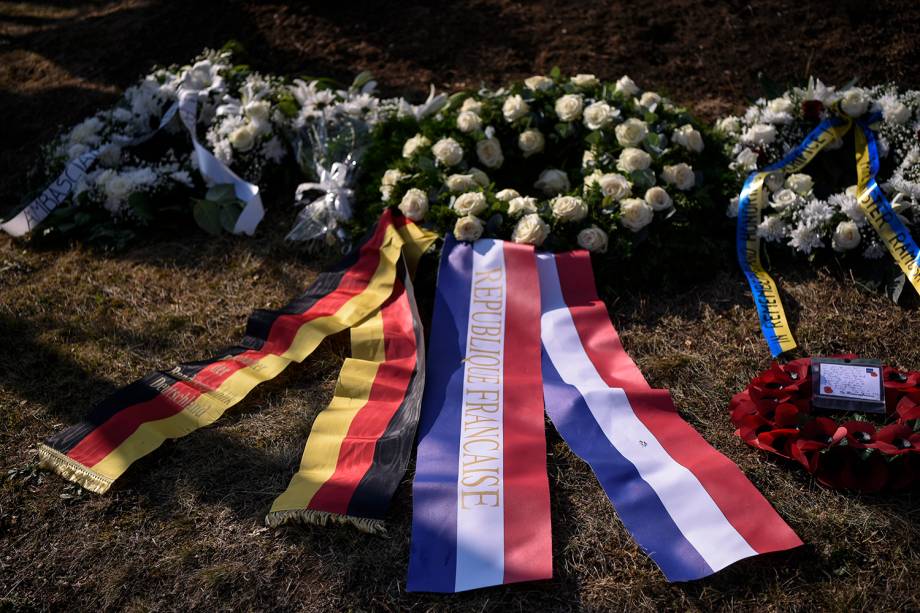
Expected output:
(833, 402)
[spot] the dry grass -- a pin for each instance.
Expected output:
(183, 528)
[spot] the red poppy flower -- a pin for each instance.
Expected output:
(851, 469)
(778, 441)
(859, 434)
(752, 425)
(786, 415)
(896, 439)
(908, 408)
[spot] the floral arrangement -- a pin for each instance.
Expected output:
(818, 211)
(145, 173)
(552, 162)
(774, 414)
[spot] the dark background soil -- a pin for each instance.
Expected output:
(183, 528)
(61, 60)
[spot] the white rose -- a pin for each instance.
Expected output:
(258, 110)
(775, 181)
(584, 81)
(470, 203)
(514, 108)
(598, 115)
(531, 141)
(612, 185)
(729, 125)
(86, 132)
(846, 236)
(680, 176)
(759, 134)
(507, 195)
(448, 152)
(568, 107)
(593, 239)
(472, 105)
(747, 159)
(243, 138)
(658, 199)
(588, 160)
(627, 86)
(489, 152)
(688, 138)
(635, 214)
(468, 121)
(468, 228)
(118, 187)
(631, 132)
(461, 183)
(522, 205)
(414, 145)
(632, 159)
(481, 178)
(553, 181)
(895, 112)
(780, 105)
(530, 230)
(538, 83)
(414, 204)
(783, 199)
(388, 183)
(649, 100)
(799, 183)
(569, 208)
(854, 102)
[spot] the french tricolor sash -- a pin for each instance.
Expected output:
(480, 502)
(688, 506)
(481, 493)
(360, 445)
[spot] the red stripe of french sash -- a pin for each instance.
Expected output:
(741, 503)
(528, 536)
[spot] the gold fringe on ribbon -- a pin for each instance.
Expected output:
(321, 518)
(56, 461)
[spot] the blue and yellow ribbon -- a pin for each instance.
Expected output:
(872, 201)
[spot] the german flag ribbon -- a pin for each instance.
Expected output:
(360, 445)
(878, 211)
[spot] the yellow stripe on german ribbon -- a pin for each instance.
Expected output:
(212, 403)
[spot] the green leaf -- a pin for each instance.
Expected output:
(207, 216)
(229, 213)
(141, 206)
(642, 178)
(653, 139)
(361, 80)
(221, 193)
(594, 138)
(555, 74)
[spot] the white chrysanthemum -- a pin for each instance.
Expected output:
(772, 229)
(805, 239)
(759, 134)
(816, 213)
(848, 204)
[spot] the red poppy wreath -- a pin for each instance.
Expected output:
(775, 414)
